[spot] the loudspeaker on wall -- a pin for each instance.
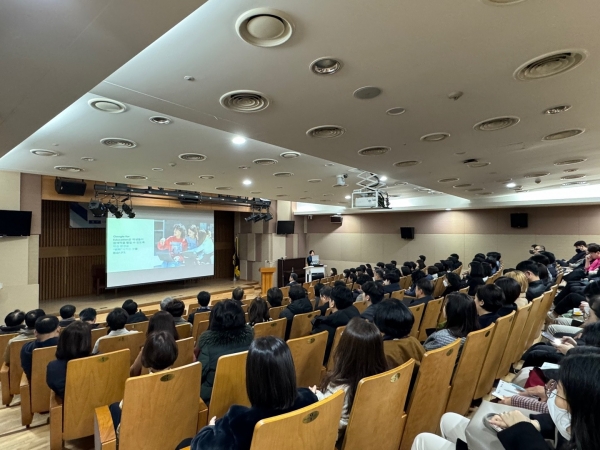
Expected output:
(69, 187)
(518, 220)
(407, 232)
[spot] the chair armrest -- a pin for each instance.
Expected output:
(56, 422)
(24, 381)
(202, 415)
(104, 429)
(5, 382)
(25, 390)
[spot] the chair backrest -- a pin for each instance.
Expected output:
(539, 318)
(149, 311)
(142, 327)
(464, 290)
(405, 282)
(198, 327)
(302, 324)
(94, 381)
(336, 341)
(230, 384)
(272, 328)
(97, 333)
(313, 302)
(192, 307)
(185, 352)
(468, 370)
(184, 330)
(4, 338)
(158, 409)
(361, 306)
(417, 312)
(40, 392)
(439, 287)
(133, 341)
(15, 368)
(430, 394)
(314, 427)
(275, 311)
(308, 353)
(306, 285)
(494, 355)
(399, 295)
(514, 336)
(379, 408)
(285, 291)
(536, 304)
(430, 317)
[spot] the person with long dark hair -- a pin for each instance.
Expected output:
(451, 283)
(474, 278)
(358, 355)
(461, 319)
(272, 390)
(258, 312)
(488, 300)
(161, 321)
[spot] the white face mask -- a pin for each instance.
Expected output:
(560, 417)
(446, 284)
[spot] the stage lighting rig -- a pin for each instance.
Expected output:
(114, 210)
(97, 208)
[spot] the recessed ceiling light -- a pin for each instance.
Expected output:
(160, 120)
(264, 27)
(88, 159)
(374, 151)
(68, 169)
(281, 195)
(136, 177)
(347, 197)
(107, 105)
(572, 177)
(118, 143)
(315, 180)
(206, 177)
(383, 178)
(290, 155)
(406, 163)
(435, 137)
(239, 140)
(265, 161)
(305, 198)
(458, 186)
(550, 64)
(244, 101)
(325, 66)
(223, 188)
(395, 111)
(448, 209)
(183, 183)
(247, 182)
(475, 190)
(255, 192)
(478, 164)
(43, 152)
(366, 92)
(536, 174)
(511, 185)
(570, 170)
(563, 134)
(192, 157)
(244, 167)
(557, 109)
(448, 180)
(496, 123)
(485, 193)
(283, 174)
(568, 162)
(157, 169)
(460, 153)
(328, 195)
(326, 131)
(573, 183)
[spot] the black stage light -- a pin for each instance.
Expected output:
(268, 216)
(114, 210)
(127, 209)
(97, 208)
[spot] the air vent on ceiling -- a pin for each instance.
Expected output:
(281, 195)
(572, 177)
(118, 143)
(43, 152)
(568, 162)
(475, 190)
(136, 177)
(325, 200)
(244, 101)
(537, 174)
(395, 111)
(374, 151)
(88, 159)
(107, 105)
(264, 27)
(160, 120)
(206, 177)
(192, 157)
(497, 123)
(448, 180)
(573, 183)
(68, 169)
(265, 161)
(400, 183)
(485, 193)
(305, 198)
(458, 186)
(570, 170)
(157, 169)
(435, 137)
(326, 131)
(478, 164)
(549, 65)
(255, 192)
(563, 134)
(326, 66)
(315, 180)
(290, 155)
(283, 174)
(557, 109)
(184, 183)
(223, 188)
(406, 163)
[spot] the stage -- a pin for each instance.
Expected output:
(144, 295)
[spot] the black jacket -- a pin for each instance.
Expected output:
(66, 322)
(536, 288)
(506, 310)
(300, 306)
(330, 323)
(213, 345)
(234, 431)
(27, 353)
(369, 313)
(199, 310)
(139, 316)
(522, 436)
(421, 301)
(56, 376)
(450, 289)
(487, 319)
(472, 283)
(388, 288)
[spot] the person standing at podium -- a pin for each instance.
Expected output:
(310, 258)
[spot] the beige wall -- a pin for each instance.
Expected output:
(19, 255)
(376, 237)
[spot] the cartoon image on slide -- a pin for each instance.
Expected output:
(179, 245)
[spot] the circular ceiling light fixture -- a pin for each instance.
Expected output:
(550, 65)
(247, 182)
(511, 185)
(557, 109)
(315, 180)
(68, 169)
(238, 140)
(157, 169)
(395, 111)
(223, 188)
(478, 164)
(574, 183)
(43, 152)
(264, 27)
(459, 186)
(406, 163)
(160, 120)
(243, 167)
(496, 123)
(570, 170)
(206, 177)
(118, 143)
(568, 162)
(536, 174)
(435, 137)
(192, 157)
(374, 151)
(366, 92)
(448, 180)
(183, 183)
(265, 161)
(572, 177)
(326, 131)
(136, 177)
(283, 174)
(325, 66)
(107, 105)
(290, 155)
(244, 101)
(347, 197)
(565, 134)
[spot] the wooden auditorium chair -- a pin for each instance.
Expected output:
(200, 326)
(174, 411)
(361, 306)
(184, 330)
(302, 324)
(273, 328)
(35, 393)
(91, 382)
(308, 353)
(132, 341)
(539, 319)
(336, 340)
(229, 387)
(275, 311)
(10, 376)
(142, 327)
(417, 312)
(97, 333)
(4, 338)
(535, 305)
(398, 295)
(430, 318)
(514, 337)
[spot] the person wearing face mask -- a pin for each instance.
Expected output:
(577, 259)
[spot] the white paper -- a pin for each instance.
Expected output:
(505, 389)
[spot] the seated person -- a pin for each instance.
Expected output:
(579, 257)
(423, 292)
(325, 295)
(342, 311)
(300, 305)
(227, 334)
(46, 335)
(74, 342)
(531, 270)
(333, 272)
(258, 312)
(203, 298)
(13, 322)
(88, 315)
(67, 315)
(373, 295)
(293, 279)
(379, 276)
(135, 315)
(237, 295)
(390, 283)
(511, 290)
(274, 297)
(272, 391)
(488, 300)
(551, 266)
(473, 278)
(432, 273)
(358, 355)
(24, 333)
(395, 321)
(590, 306)
(165, 302)
(523, 283)
(451, 283)
(461, 319)
(358, 293)
(162, 321)
(176, 308)
(318, 288)
(115, 321)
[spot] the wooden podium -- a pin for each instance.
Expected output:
(266, 279)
